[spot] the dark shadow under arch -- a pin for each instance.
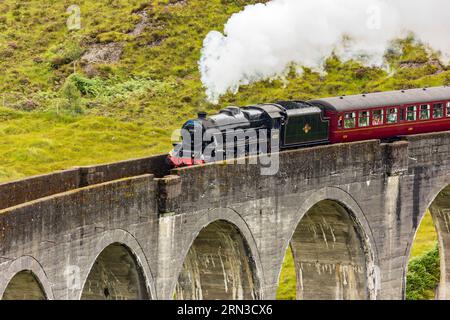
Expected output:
(24, 286)
(218, 266)
(115, 275)
(330, 256)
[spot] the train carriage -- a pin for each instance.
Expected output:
(387, 115)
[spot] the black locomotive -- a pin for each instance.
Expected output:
(292, 123)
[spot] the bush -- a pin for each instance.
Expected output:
(87, 86)
(72, 96)
(423, 276)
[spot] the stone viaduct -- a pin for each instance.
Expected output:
(135, 230)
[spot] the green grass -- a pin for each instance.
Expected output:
(153, 88)
(36, 143)
(426, 238)
(57, 112)
(287, 282)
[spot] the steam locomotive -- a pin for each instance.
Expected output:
(296, 124)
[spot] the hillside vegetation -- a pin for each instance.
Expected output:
(118, 86)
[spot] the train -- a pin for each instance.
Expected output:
(297, 124)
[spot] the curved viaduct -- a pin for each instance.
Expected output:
(133, 230)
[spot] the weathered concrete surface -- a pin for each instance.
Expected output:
(217, 266)
(329, 255)
(115, 275)
(21, 191)
(350, 213)
(65, 233)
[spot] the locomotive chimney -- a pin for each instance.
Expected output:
(202, 115)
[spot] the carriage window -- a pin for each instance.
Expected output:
(350, 120)
(425, 112)
(438, 110)
(377, 117)
(402, 114)
(411, 113)
(392, 115)
(364, 119)
(448, 109)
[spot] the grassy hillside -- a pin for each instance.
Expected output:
(426, 238)
(117, 87)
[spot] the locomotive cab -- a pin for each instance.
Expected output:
(305, 125)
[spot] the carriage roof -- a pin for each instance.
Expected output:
(384, 99)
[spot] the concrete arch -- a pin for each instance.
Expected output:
(438, 202)
(29, 264)
(350, 209)
(244, 250)
(129, 243)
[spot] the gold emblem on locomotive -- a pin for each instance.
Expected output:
(307, 128)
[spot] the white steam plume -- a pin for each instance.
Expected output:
(261, 41)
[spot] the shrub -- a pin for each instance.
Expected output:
(423, 276)
(72, 96)
(87, 86)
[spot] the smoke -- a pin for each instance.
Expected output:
(261, 41)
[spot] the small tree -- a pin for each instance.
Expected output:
(72, 96)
